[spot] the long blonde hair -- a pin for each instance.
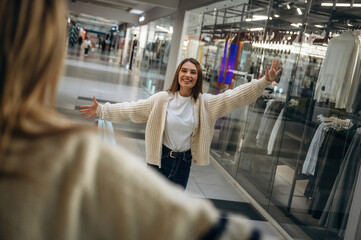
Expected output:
(32, 49)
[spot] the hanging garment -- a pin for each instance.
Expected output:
(340, 70)
(268, 120)
(330, 158)
(303, 62)
(356, 100)
(274, 133)
(287, 69)
(337, 209)
(310, 162)
(254, 115)
(348, 88)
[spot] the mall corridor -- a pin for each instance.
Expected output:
(97, 75)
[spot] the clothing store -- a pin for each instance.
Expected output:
(147, 52)
(296, 150)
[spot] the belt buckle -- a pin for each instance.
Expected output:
(171, 154)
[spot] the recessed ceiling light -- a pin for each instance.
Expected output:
(255, 29)
(136, 11)
(326, 4)
(343, 5)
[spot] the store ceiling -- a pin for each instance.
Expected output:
(81, 18)
(285, 15)
(120, 11)
(125, 5)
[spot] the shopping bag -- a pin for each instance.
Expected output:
(106, 131)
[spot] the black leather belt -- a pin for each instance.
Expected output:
(175, 154)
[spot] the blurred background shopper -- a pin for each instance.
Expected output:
(57, 179)
(87, 46)
(180, 121)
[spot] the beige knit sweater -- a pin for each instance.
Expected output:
(72, 186)
(207, 109)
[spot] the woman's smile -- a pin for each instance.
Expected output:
(187, 78)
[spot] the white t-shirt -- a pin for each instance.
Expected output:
(87, 44)
(179, 123)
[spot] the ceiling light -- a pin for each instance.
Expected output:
(276, 15)
(136, 11)
(326, 4)
(288, 6)
(255, 29)
(299, 11)
(319, 26)
(343, 5)
(262, 17)
(164, 29)
(141, 19)
(296, 24)
(257, 18)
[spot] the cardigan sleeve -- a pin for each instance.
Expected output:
(138, 207)
(224, 103)
(120, 112)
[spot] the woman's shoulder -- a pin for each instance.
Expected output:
(75, 148)
(162, 95)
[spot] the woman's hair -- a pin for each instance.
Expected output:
(197, 89)
(32, 49)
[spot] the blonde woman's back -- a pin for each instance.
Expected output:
(73, 186)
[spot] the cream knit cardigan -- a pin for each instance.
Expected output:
(207, 109)
(73, 186)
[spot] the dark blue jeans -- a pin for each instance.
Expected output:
(175, 166)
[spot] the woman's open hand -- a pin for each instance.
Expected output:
(272, 73)
(90, 110)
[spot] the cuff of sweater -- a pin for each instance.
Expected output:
(100, 111)
(263, 83)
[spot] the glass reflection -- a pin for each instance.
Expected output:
(296, 150)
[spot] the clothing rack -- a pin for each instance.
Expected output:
(354, 119)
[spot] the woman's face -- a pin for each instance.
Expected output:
(188, 76)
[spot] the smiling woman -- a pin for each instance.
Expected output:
(188, 78)
(180, 120)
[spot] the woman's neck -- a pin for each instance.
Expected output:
(185, 93)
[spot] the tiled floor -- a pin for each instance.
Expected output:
(95, 75)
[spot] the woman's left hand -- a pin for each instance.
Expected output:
(272, 73)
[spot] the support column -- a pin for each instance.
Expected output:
(175, 52)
